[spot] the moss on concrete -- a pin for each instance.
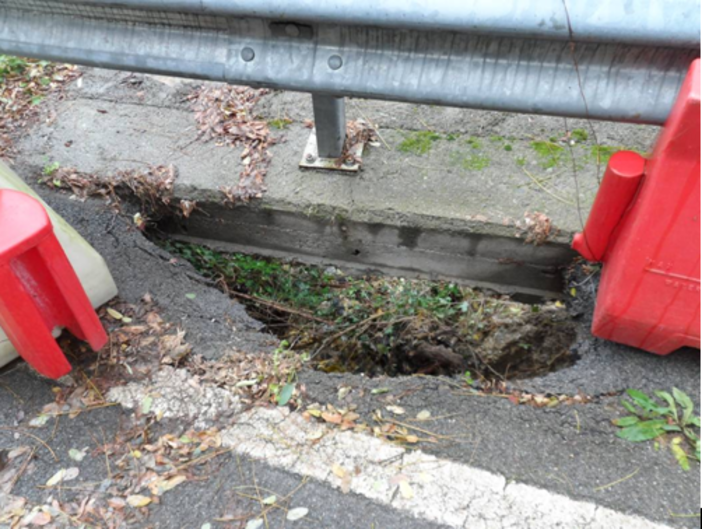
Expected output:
(419, 143)
(471, 161)
(549, 153)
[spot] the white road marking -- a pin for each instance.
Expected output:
(429, 488)
(174, 393)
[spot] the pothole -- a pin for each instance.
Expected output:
(391, 326)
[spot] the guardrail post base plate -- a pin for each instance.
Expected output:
(325, 147)
(312, 160)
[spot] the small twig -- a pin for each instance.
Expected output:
(83, 488)
(577, 183)
(424, 123)
(288, 497)
(107, 457)
(422, 430)
(9, 390)
(482, 360)
(90, 383)
(23, 468)
(83, 410)
(40, 440)
(546, 190)
(576, 65)
(588, 278)
(440, 379)
(483, 394)
(674, 515)
(437, 418)
(375, 127)
(401, 439)
(419, 166)
(53, 433)
(338, 335)
(204, 458)
(259, 498)
(619, 481)
(238, 466)
(562, 479)
(475, 449)
(577, 421)
(280, 307)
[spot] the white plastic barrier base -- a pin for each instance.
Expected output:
(88, 264)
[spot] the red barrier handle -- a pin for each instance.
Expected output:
(619, 185)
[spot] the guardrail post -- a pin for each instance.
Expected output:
(330, 123)
(325, 146)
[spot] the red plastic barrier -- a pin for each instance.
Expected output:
(649, 295)
(38, 288)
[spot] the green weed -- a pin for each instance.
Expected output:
(280, 124)
(50, 168)
(11, 66)
(653, 419)
(282, 392)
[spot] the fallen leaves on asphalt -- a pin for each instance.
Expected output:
(140, 476)
(255, 378)
(77, 455)
(137, 500)
(297, 514)
(347, 419)
(65, 474)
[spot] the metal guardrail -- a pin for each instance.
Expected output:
(578, 58)
(659, 22)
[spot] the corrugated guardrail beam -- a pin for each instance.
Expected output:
(660, 22)
(511, 55)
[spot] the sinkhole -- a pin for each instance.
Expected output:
(380, 325)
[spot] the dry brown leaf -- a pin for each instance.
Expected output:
(137, 500)
(406, 490)
(40, 519)
(117, 503)
(164, 485)
(333, 418)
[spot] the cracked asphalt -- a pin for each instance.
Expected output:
(570, 451)
(494, 463)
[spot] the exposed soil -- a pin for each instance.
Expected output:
(531, 345)
(389, 326)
